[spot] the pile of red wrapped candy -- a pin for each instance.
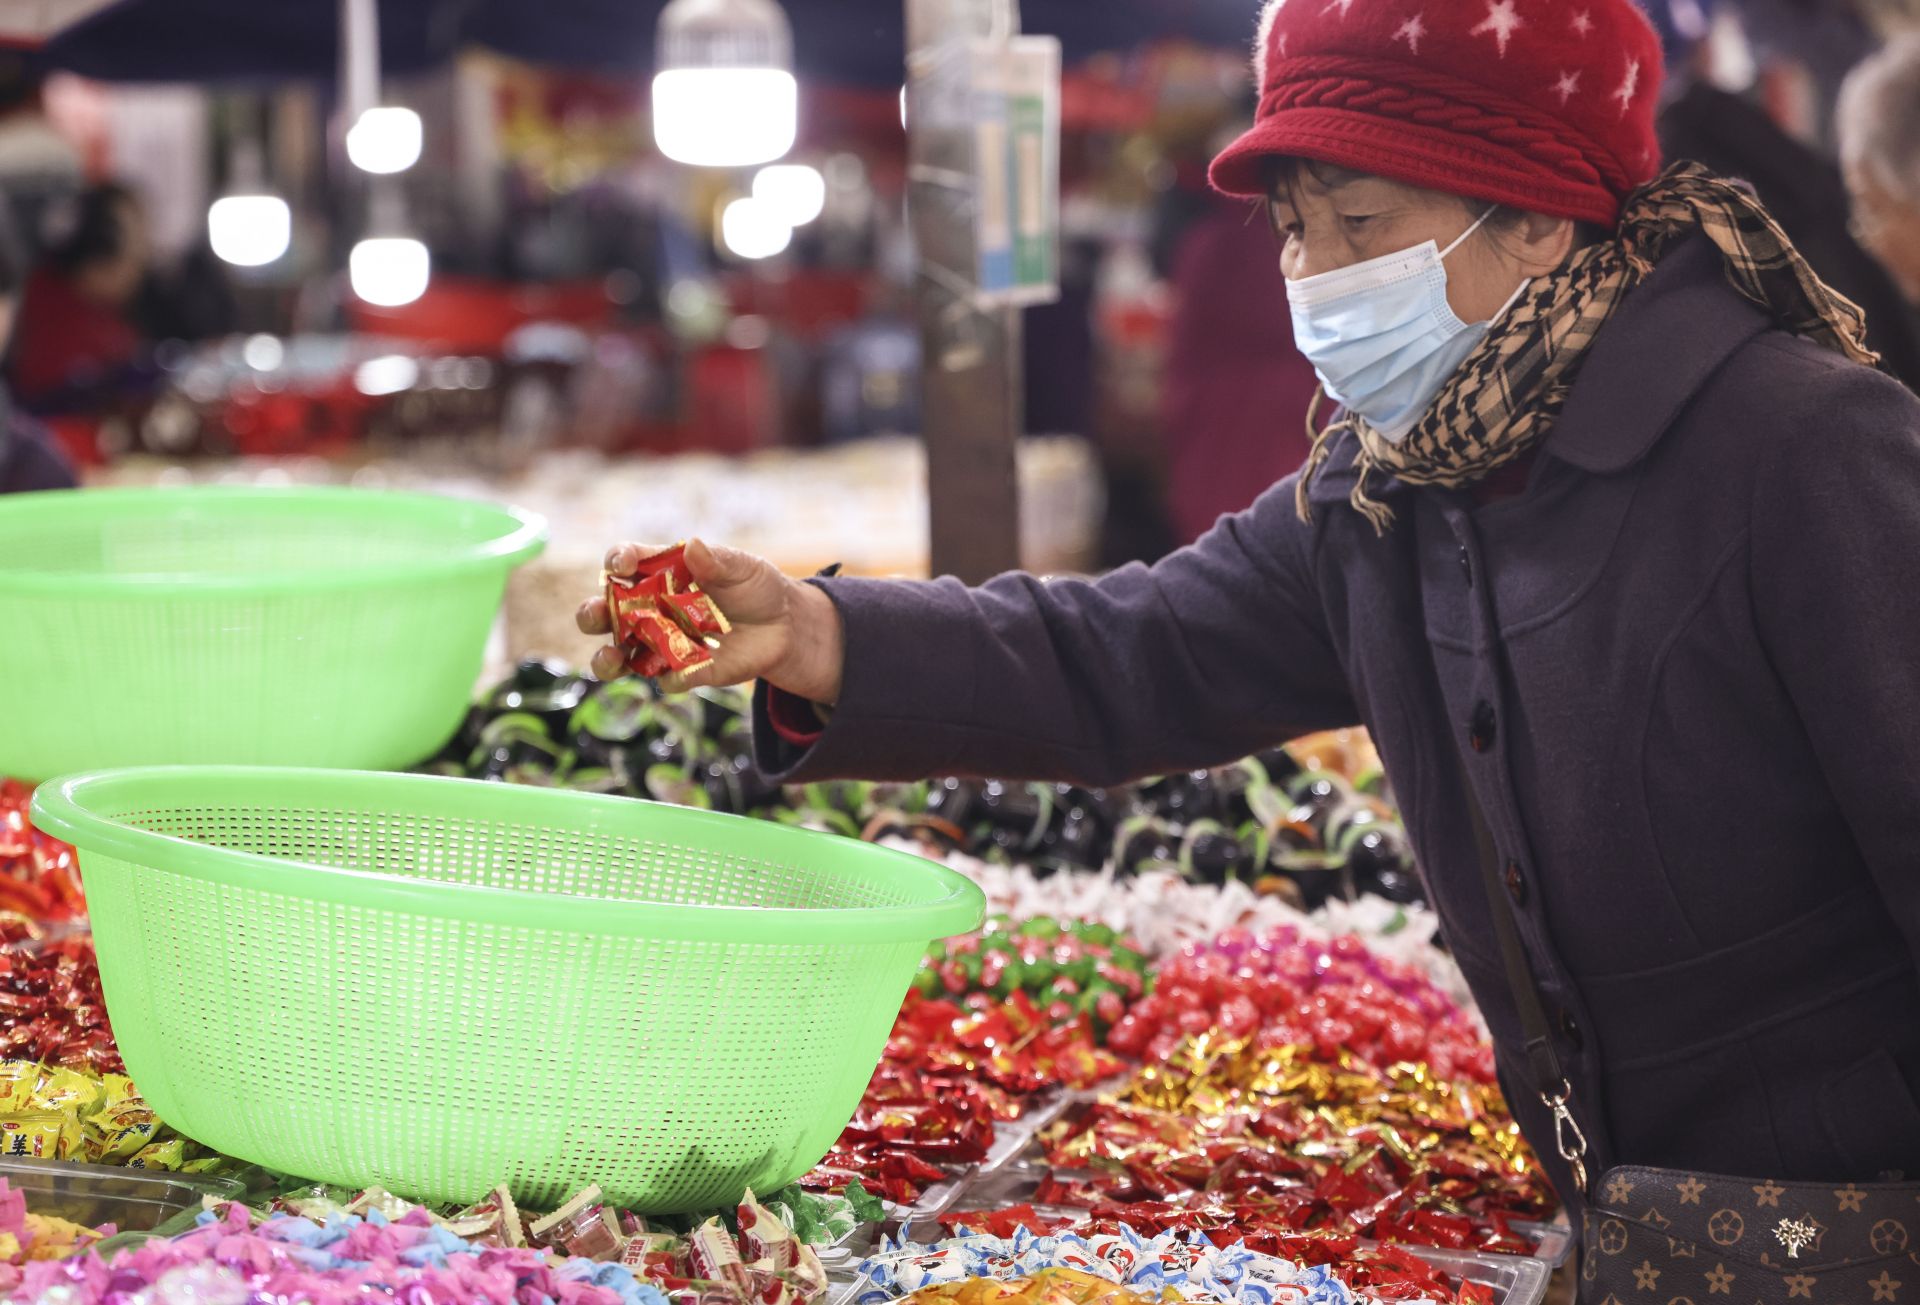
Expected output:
(949, 1073)
(1336, 996)
(39, 874)
(51, 1008)
(1288, 1140)
(662, 620)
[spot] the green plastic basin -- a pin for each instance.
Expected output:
(311, 627)
(439, 985)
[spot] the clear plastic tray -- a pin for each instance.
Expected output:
(133, 1200)
(933, 1202)
(1012, 1140)
(1515, 1279)
(1552, 1242)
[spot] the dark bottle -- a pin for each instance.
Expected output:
(722, 785)
(1213, 856)
(1015, 813)
(545, 689)
(955, 801)
(1185, 798)
(1380, 857)
(1146, 843)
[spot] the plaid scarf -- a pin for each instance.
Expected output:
(1508, 393)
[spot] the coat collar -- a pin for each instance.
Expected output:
(1670, 335)
(1668, 338)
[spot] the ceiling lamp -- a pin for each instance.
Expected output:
(753, 230)
(724, 94)
(389, 267)
(249, 226)
(384, 139)
(797, 192)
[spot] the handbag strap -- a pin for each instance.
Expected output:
(1543, 1060)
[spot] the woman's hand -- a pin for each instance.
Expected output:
(784, 632)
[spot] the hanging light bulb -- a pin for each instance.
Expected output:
(389, 270)
(389, 267)
(724, 95)
(752, 229)
(250, 230)
(385, 139)
(795, 191)
(250, 226)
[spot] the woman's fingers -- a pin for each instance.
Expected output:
(624, 559)
(608, 663)
(719, 568)
(593, 617)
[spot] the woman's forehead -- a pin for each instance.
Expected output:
(1294, 179)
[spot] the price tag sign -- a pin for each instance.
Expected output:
(1016, 169)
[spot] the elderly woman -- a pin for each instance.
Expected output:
(1879, 126)
(1610, 544)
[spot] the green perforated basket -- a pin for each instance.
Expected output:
(309, 627)
(439, 985)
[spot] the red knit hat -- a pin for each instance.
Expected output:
(1546, 105)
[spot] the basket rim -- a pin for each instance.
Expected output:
(522, 536)
(60, 809)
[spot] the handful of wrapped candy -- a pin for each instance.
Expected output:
(51, 1007)
(1316, 1141)
(1336, 996)
(662, 619)
(1165, 1267)
(39, 874)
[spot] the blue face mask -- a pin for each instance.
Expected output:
(1382, 335)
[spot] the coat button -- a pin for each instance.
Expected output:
(1570, 1030)
(1481, 733)
(1516, 884)
(1466, 565)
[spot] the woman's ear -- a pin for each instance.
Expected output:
(1542, 243)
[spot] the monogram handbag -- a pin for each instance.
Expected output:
(1669, 1237)
(1675, 1238)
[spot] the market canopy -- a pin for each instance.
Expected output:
(855, 42)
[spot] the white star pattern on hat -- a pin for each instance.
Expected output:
(1341, 5)
(1568, 84)
(1583, 22)
(1502, 21)
(1629, 87)
(1411, 31)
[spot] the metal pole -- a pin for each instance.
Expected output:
(359, 59)
(972, 407)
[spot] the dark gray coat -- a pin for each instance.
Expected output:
(1691, 650)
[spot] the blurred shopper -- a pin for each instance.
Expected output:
(1236, 388)
(38, 166)
(28, 460)
(77, 346)
(1804, 192)
(1879, 126)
